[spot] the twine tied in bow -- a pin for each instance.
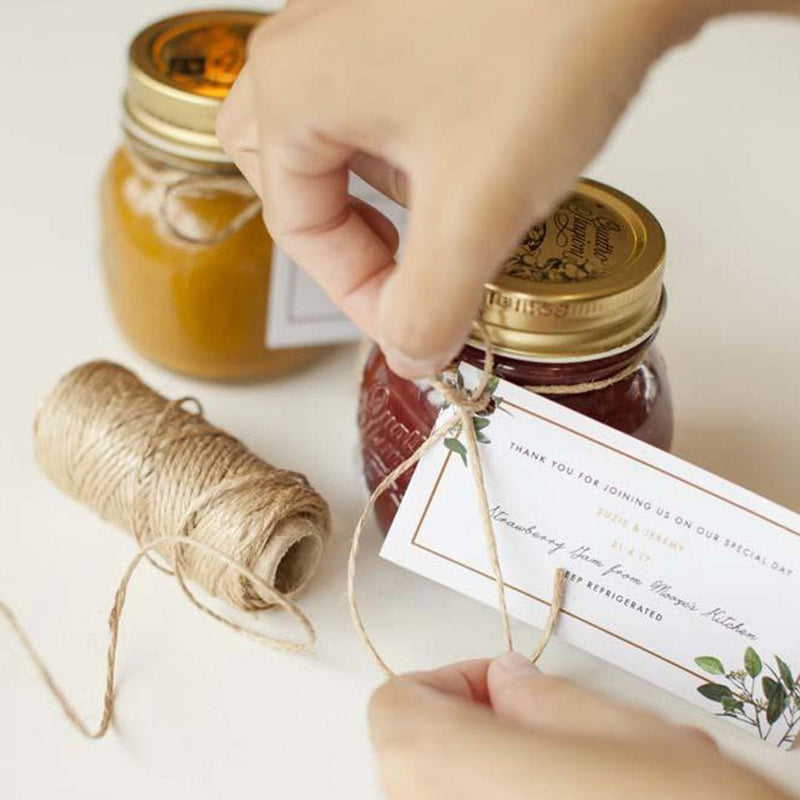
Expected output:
(466, 404)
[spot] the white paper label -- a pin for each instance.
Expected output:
(675, 574)
(300, 313)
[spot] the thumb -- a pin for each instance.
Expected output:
(459, 234)
(515, 690)
(520, 693)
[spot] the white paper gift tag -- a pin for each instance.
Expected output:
(674, 574)
(300, 313)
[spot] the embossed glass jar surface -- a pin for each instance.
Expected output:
(580, 301)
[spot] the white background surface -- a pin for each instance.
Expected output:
(711, 147)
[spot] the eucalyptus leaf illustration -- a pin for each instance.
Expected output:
(777, 704)
(740, 698)
(500, 407)
(752, 663)
(769, 686)
(479, 423)
(710, 664)
(731, 705)
(456, 447)
(786, 674)
(480, 419)
(715, 691)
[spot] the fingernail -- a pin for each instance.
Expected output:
(409, 367)
(515, 665)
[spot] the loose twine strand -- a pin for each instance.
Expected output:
(248, 533)
(187, 475)
(208, 184)
(466, 404)
(174, 184)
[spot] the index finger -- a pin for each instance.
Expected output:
(313, 219)
(302, 178)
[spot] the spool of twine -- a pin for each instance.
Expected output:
(201, 506)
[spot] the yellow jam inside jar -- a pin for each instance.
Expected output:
(186, 254)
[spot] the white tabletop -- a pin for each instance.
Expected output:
(711, 147)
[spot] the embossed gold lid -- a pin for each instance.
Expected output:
(586, 282)
(180, 70)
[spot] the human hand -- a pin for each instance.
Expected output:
(477, 115)
(486, 729)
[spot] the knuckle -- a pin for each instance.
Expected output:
(395, 737)
(274, 55)
(403, 715)
(267, 217)
(260, 36)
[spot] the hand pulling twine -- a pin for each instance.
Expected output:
(172, 183)
(250, 592)
(147, 464)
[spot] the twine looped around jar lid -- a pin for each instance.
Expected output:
(173, 184)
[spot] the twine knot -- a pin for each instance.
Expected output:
(471, 401)
(466, 403)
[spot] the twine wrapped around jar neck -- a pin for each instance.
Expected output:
(466, 404)
(173, 184)
(589, 386)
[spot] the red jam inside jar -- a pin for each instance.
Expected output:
(580, 301)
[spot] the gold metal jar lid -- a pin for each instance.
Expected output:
(180, 70)
(584, 283)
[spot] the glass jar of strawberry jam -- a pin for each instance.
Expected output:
(579, 302)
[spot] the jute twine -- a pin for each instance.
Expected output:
(194, 498)
(466, 404)
(175, 184)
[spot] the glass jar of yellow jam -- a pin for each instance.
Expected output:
(187, 258)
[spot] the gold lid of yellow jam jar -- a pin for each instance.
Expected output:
(585, 283)
(180, 70)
